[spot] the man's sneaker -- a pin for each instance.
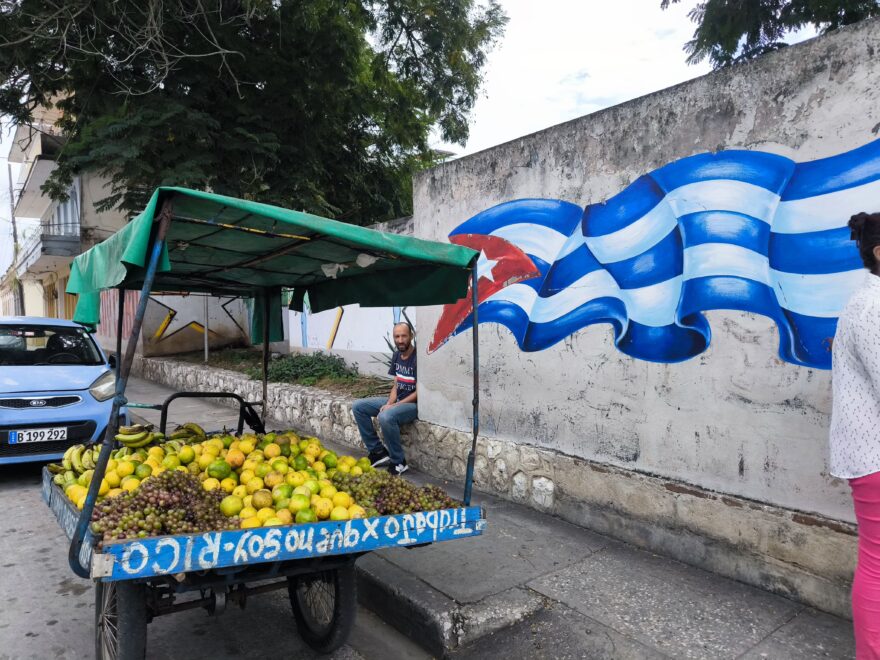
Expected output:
(379, 458)
(397, 470)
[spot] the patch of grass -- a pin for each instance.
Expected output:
(321, 370)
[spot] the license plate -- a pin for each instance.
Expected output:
(37, 435)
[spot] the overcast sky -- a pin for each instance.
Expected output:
(559, 59)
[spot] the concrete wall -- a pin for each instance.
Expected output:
(736, 419)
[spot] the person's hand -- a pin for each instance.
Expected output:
(386, 407)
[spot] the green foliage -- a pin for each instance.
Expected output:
(305, 369)
(324, 106)
(730, 31)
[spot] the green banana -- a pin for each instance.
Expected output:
(69, 476)
(134, 429)
(76, 459)
(196, 430)
(58, 479)
(130, 439)
(181, 433)
(138, 441)
(54, 468)
(96, 452)
(174, 445)
(122, 452)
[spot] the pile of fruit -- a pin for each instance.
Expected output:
(190, 482)
(381, 494)
(169, 503)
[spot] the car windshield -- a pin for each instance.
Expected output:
(43, 345)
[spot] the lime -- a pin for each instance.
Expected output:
(298, 502)
(231, 505)
(306, 516)
(219, 469)
(282, 491)
(143, 471)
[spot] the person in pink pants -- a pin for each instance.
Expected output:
(855, 428)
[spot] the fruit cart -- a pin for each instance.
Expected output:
(197, 242)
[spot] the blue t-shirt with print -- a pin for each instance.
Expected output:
(405, 372)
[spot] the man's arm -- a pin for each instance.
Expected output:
(392, 398)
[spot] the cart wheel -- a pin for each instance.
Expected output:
(120, 621)
(324, 606)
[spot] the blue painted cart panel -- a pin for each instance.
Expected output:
(172, 555)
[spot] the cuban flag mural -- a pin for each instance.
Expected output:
(735, 230)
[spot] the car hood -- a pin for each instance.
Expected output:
(48, 378)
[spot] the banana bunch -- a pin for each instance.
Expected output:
(77, 460)
(137, 436)
(189, 433)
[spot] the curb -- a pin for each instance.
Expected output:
(430, 618)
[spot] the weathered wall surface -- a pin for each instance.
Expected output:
(736, 419)
(807, 557)
(175, 324)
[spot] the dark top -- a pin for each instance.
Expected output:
(405, 371)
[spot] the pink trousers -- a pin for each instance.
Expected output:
(866, 584)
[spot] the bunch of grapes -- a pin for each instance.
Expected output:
(173, 502)
(381, 494)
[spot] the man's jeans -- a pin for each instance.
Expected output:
(390, 420)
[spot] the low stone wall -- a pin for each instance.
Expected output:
(799, 555)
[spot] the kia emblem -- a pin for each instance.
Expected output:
(36, 403)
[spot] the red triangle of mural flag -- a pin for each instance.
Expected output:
(501, 264)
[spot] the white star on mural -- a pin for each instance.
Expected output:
(485, 267)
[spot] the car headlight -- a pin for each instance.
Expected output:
(105, 387)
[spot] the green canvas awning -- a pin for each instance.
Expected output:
(227, 246)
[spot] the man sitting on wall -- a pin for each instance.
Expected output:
(398, 408)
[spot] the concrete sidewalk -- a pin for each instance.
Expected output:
(535, 586)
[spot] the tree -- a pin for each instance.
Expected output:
(320, 105)
(730, 31)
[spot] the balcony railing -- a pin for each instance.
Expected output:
(64, 219)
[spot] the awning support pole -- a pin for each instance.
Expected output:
(206, 328)
(119, 399)
(469, 475)
(265, 354)
(120, 313)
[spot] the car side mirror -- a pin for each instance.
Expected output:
(112, 361)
